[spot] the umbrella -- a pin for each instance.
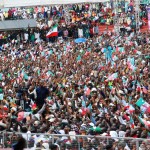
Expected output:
(80, 40)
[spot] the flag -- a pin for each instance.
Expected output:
(131, 60)
(33, 106)
(59, 57)
(113, 76)
(38, 72)
(93, 120)
(33, 56)
(1, 76)
(131, 64)
(65, 48)
(131, 122)
(144, 122)
(140, 102)
(131, 67)
(43, 53)
(121, 120)
(22, 115)
(103, 50)
(3, 115)
(131, 109)
(84, 111)
(145, 90)
(40, 47)
(113, 90)
(78, 58)
(53, 32)
(83, 103)
(8, 75)
(50, 52)
(108, 54)
(26, 77)
(1, 96)
(137, 52)
(90, 107)
(121, 49)
(87, 91)
(21, 75)
(49, 73)
(126, 117)
(87, 54)
(110, 83)
(115, 58)
(144, 106)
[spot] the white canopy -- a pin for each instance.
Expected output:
(1, 3)
(23, 3)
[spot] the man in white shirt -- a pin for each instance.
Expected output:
(1, 16)
(26, 36)
(34, 15)
(45, 9)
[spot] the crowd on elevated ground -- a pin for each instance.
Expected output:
(100, 12)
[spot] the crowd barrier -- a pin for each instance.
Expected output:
(71, 141)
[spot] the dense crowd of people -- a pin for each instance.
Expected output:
(98, 86)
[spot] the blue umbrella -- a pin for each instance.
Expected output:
(80, 40)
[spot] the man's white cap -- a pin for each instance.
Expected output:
(14, 109)
(51, 120)
(45, 146)
(37, 116)
(93, 90)
(91, 124)
(121, 92)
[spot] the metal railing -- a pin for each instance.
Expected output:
(76, 142)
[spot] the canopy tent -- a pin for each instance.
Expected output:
(17, 24)
(1, 3)
(24, 3)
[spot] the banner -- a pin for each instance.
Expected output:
(148, 12)
(24, 3)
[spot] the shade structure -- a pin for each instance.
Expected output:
(23, 3)
(17, 24)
